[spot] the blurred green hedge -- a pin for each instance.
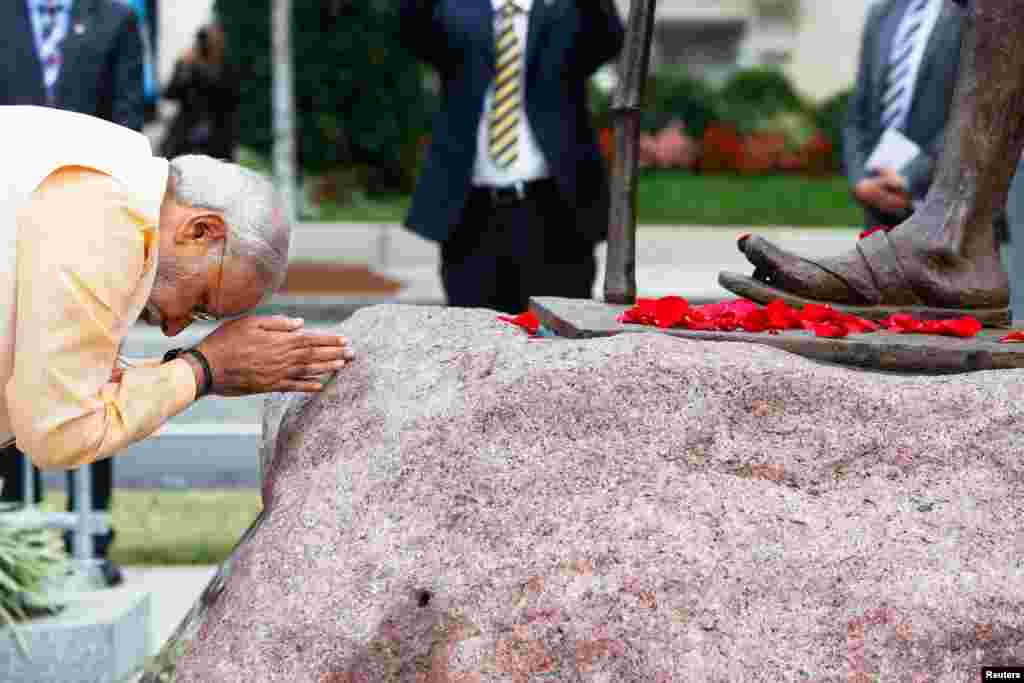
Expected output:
(751, 101)
(360, 96)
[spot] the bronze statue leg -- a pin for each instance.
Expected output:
(944, 258)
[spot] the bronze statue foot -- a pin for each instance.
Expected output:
(886, 274)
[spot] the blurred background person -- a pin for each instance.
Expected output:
(206, 88)
(84, 56)
(145, 10)
(910, 52)
(79, 55)
(514, 187)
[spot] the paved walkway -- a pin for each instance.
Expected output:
(682, 260)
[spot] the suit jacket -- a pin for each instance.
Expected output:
(102, 72)
(932, 96)
(567, 41)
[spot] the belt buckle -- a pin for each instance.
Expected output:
(507, 196)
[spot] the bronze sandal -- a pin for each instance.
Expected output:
(884, 291)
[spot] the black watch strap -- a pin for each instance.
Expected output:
(207, 371)
(207, 384)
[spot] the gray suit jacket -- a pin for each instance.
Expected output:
(102, 71)
(932, 97)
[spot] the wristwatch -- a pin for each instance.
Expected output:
(207, 384)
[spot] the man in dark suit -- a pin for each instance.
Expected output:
(514, 187)
(909, 58)
(83, 56)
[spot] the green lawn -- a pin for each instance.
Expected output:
(161, 527)
(680, 198)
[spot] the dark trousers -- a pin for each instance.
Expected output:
(506, 249)
(12, 468)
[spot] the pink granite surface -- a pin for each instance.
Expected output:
(469, 506)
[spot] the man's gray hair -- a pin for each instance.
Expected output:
(259, 231)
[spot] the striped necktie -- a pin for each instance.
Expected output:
(51, 33)
(895, 101)
(504, 119)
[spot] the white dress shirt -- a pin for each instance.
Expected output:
(530, 163)
(928, 21)
(44, 47)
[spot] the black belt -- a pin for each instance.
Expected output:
(509, 195)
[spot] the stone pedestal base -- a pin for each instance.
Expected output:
(99, 637)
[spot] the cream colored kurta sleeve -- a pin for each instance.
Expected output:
(81, 254)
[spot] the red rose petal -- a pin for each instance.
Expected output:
(962, 327)
(528, 321)
(828, 330)
(856, 325)
(782, 316)
(727, 322)
(871, 231)
(710, 311)
(901, 322)
(817, 313)
(819, 319)
(643, 313)
(647, 307)
(670, 311)
(741, 306)
(630, 315)
(756, 321)
(1014, 337)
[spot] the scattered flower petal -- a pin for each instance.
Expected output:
(877, 228)
(670, 311)
(1014, 337)
(756, 321)
(828, 329)
(820, 319)
(528, 321)
(965, 327)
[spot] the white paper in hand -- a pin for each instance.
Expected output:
(894, 151)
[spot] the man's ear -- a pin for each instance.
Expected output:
(203, 226)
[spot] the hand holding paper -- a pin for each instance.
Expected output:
(894, 151)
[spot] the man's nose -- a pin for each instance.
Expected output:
(174, 327)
